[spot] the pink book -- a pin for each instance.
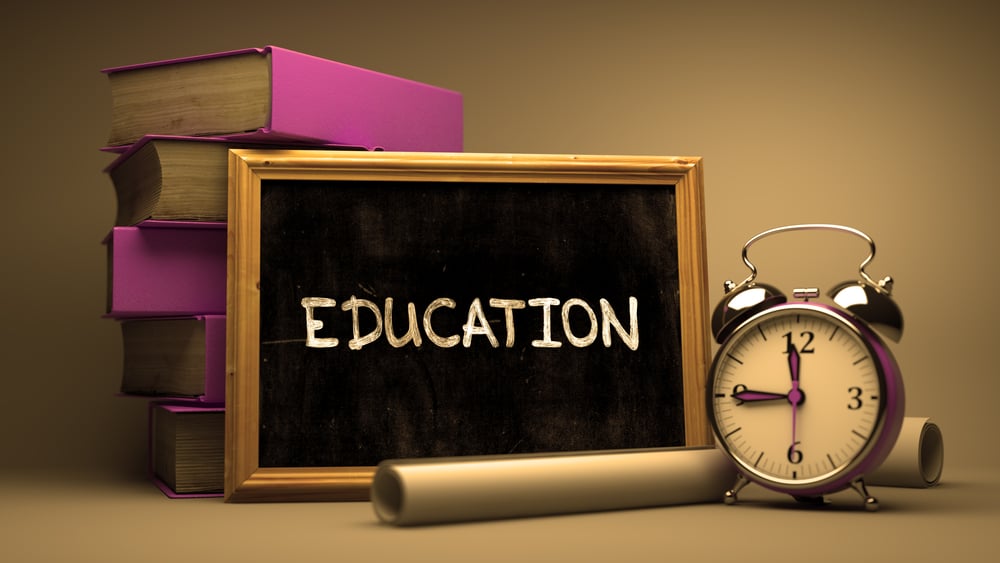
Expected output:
(310, 99)
(166, 268)
(180, 407)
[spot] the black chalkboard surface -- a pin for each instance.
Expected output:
(391, 305)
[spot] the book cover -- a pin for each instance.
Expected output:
(186, 454)
(178, 357)
(277, 94)
(166, 268)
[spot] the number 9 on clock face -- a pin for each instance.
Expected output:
(800, 395)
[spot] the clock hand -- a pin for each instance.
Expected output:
(793, 365)
(795, 395)
(749, 395)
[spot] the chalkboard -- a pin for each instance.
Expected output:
(389, 305)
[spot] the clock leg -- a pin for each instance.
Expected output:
(871, 503)
(730, 496)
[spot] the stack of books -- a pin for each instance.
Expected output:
(172, 125)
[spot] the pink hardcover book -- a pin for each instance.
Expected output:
(166, 268)
(180, 407)
(318, 100)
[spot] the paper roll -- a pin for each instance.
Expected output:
(916, 459)
(409, 492)
(436, 490)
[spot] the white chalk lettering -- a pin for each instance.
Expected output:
(313, 324)
(443, 342)
(508, 306)
(609, 319)
(352, 305)
(470, 327)
(573, 339)
(412, 331)
(477, 323)
(546, 303)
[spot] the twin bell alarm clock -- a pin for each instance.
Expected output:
(805, 397)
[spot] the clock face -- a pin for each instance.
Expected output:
(798, 397)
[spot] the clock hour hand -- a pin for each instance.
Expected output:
(795, 396)
(793, 365)
(749, 395)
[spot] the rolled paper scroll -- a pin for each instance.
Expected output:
(436, 490)
(425, 491)
(916, 459)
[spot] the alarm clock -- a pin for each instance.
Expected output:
(804, 396)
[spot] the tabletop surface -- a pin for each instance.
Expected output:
(53, 518)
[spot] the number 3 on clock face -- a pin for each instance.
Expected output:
(799, 396)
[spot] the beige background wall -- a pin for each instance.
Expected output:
(878, 115)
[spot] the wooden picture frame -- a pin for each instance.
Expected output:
(268, 193)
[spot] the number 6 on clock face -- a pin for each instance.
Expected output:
(804, 398)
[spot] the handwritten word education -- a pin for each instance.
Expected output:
(475, 325)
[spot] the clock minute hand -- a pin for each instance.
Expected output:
(795, 395)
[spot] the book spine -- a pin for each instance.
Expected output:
(166, 269)
(215, 360)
